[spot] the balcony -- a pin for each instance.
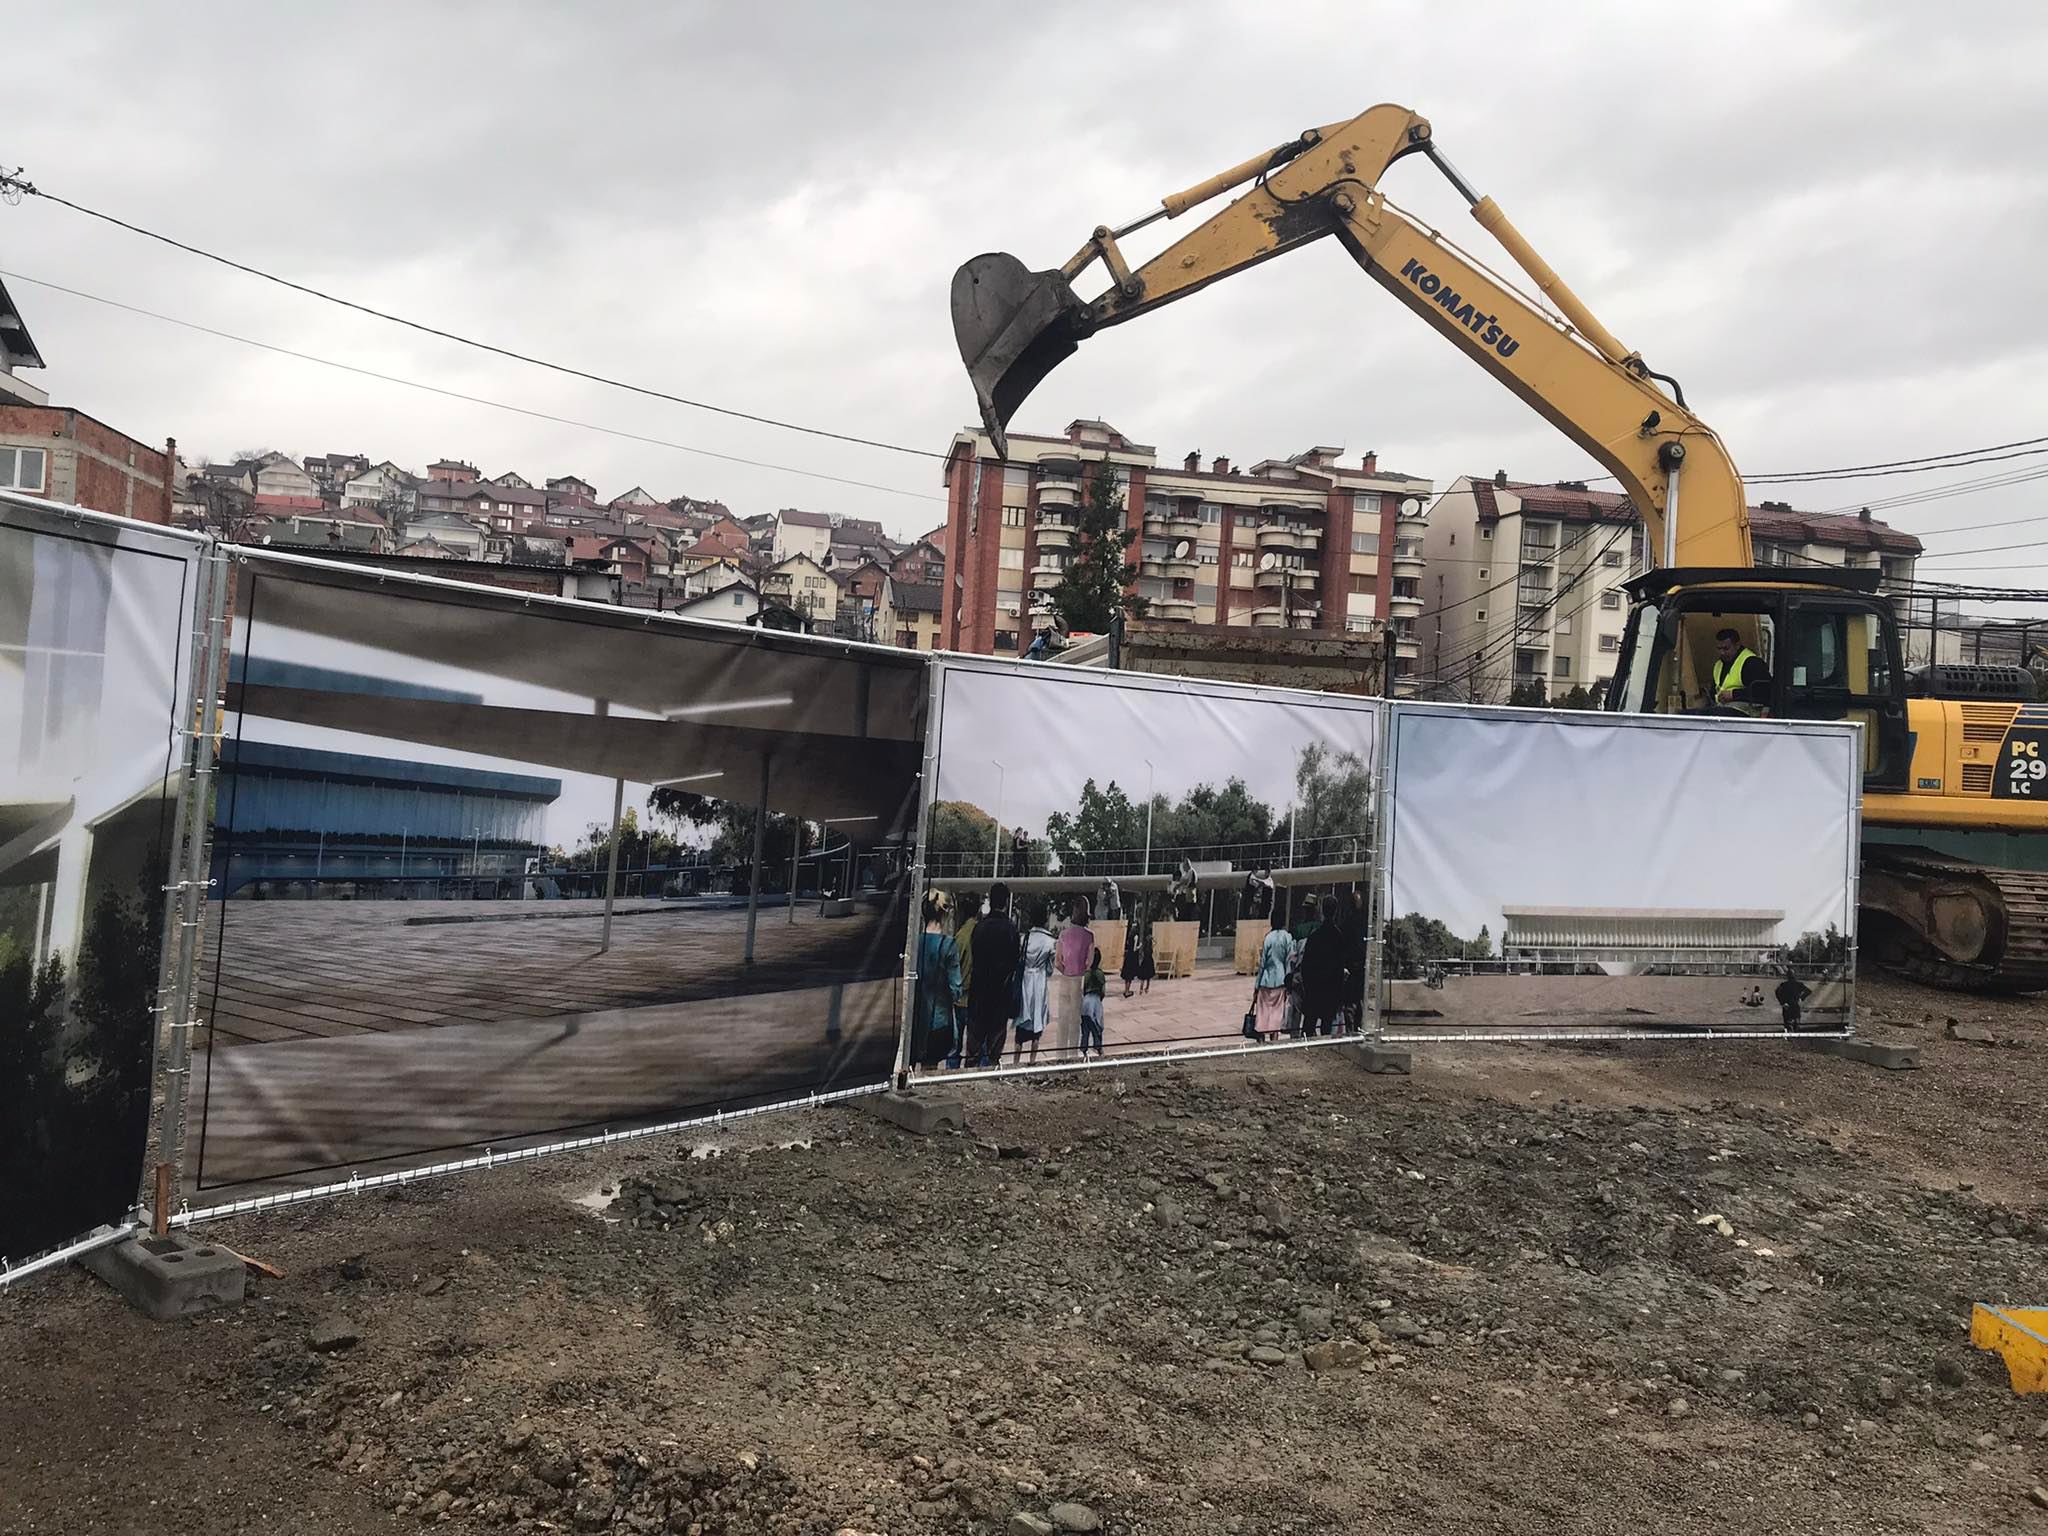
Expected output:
(1538, 553)
(1059, 491)
(1288, 536)
(1408, 559)
(1267, 616)
(1173, 607)
(1045, 576)
(1408, 646)
(1055, 533)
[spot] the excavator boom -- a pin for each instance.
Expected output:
(1014, 326)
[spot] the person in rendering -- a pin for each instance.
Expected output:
(1133, 935)
(1741, 681)
(939, 987)
(1325, 965)
(1754, 997)
(1093, 985)
(1269, 995)
(1076, 944)
(963, 942)
(1147, 964)
(1790, 994)
(1357, 934)
(1041, 951)
(995, 973)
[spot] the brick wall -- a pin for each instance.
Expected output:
(90, 464)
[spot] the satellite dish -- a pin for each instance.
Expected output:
(1268, 561)
(1180, 550)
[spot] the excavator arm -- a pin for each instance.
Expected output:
(1015, 326)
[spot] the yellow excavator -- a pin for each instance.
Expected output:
(1954, 885)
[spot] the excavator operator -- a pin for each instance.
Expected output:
(1741, 681)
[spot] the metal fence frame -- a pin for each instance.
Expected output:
(200, 627)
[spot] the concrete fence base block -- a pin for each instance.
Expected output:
(171, 1276)
(919, 1116)
(1893, 1058)
(1378, 1058)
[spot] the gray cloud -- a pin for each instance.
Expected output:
(1821, 217)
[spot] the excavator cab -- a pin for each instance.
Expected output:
(1829, 642)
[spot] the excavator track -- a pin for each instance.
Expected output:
(1918, 898)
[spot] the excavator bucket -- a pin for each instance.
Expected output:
(1014, 327)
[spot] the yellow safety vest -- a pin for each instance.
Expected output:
(1728, 674)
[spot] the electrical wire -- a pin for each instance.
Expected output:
(454, 394)
(18, 184)
(1957, 459)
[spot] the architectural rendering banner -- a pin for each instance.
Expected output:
(493, 871)
(1124, 865)
(96, 618)
(1559, 874)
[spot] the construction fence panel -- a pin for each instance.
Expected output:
(98, 618)
(1156, 831)
(497, 873)
(1558, 875)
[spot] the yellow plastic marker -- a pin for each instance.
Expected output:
(2020, 1334)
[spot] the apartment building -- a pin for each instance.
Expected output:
(1304, 542)
(1523, 582)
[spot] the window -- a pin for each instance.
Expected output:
(1018, 480)
(21, 469)
(1612, 559)
(1155, 506)
(1610, 642)
(1211, 513)
(1486, 535)
(1611, 601)
(1366, 543)
(1561, 667)
(1011, 559)
(1361, 583)
(738, 597)
(1006, 640)
(1241, 559)
(1013, 517)
(1407, 586)
(1480, 615)
(1482, 573)
(1211, 555)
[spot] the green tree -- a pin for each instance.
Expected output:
(1414, 941)
(1332, 794)
(1528, 693)
(1817, 949)
(957, 827)
(1105, 818)
(1208, 817)
(1091, 591)
(1575, 697)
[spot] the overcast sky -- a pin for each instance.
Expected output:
(1027, 741)
(1542, 813)
(1824, 218)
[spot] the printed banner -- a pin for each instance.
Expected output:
(1563, 874)
(96, 621)
(427, 793)
(1118, 864)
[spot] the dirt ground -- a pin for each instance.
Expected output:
(1274, 1295)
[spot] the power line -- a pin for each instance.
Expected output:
(1990, 455)
(453, 394)
(1988, 549)
(1957, 459)
(17, 184)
